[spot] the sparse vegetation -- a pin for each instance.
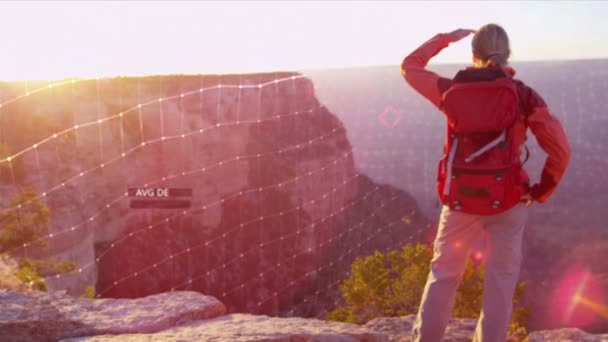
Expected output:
(13, 171)
(8, 275)
(25, 222)
(391, 284)
(89, 292)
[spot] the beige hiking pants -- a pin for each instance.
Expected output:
(455, 236)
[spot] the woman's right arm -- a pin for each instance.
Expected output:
(426, 82)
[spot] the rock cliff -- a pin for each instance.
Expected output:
(277, 209)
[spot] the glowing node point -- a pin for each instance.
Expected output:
(121, 114)
(200, 90)
(160, 99)
(27, 94)
(240, 86)
(200, 130)
(44, 194)
(183, 135)
(99, 121)
(139, 105)
(101, 165)
(259, 86)
(122, 154)
(162, 138)
(293, 77)
(81, 174)
(54, 135)
(181, 95)
(276, 81)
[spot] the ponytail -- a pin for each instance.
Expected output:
(491, 46)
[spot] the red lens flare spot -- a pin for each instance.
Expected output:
(578, 300)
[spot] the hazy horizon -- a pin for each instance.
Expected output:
(396, 66)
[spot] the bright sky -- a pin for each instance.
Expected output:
(55, 40)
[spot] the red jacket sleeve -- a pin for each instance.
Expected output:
(552, 139)
(426, 82)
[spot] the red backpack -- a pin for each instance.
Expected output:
(480, 170)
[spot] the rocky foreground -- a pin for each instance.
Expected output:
(191, 316)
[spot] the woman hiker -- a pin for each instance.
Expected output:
(481, 181)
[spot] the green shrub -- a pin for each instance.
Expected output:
(13, 172)
(23, 225)
(89, 292)
(30, 276)
(65, 266)
(8, 275)
(391, 284)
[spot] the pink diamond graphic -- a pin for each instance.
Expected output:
(390, 123)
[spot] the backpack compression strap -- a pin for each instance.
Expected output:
(446, 187)
(502, 137)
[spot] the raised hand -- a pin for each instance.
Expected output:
(459, 34)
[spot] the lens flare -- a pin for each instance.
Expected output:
(578, 299)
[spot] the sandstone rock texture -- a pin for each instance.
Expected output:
(40, 316)
(243, 327)
(190, 316)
